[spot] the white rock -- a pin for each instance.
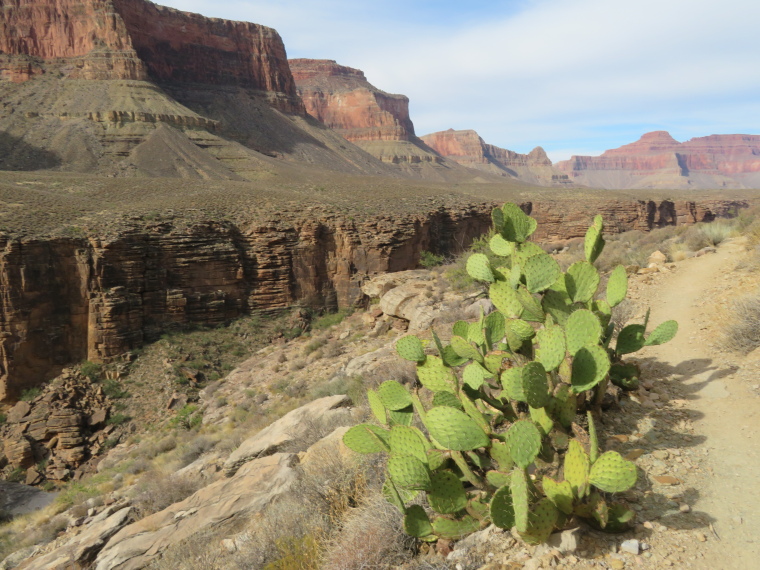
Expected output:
(631, 546)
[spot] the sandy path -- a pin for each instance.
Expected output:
(728, 412)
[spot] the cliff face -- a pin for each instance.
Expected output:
(468, 149)
(65, 300)
(658, 160)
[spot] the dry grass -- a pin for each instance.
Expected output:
(156, 491)
(742, 333)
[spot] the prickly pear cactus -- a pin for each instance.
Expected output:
(487, 434)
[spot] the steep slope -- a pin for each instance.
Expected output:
(341, 98)
(657, 160)
(82, 84)
(468, 149)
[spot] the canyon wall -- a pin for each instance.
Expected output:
(657, 160)
(65, 300)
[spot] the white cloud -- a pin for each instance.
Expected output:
(567, 74)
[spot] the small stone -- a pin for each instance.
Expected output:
(701, 537)
(616, 564)
(661, 454)
(229, 545)
(631, 546)
(667, 480)
(684, 508)
(634, 454)
(648, 525)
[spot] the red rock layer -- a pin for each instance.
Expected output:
(467, 148)
(343, 99)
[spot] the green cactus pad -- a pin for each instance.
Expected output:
(590, 365)
(378, 410)
(446, 399)
(517, 226)
(612, 474)
(479, 509)
(435, 376)
(455, 529)
(436, 459)
(438, 343)
(541, 418)
(461, 328)
(594, 242)
(518, 488)
(617, 286)
(541, 520)
(454, 429)
(410, 348)
(582, 329)
(393, 395)
(396, 497)
(564, 405)
(451, 358)
(366, 438)
(502, 510)
(500, 453)
(514, 275)
(630, 339)
(475, 333)
(524, 441)
(511, 379)
(557, 304)
(541, 271)
(532, 310)
(625, 375)
(402, 417)
(495, 328)
(497, 479)
(446, 494)
(417, 523)
(500, 246)
(521, 329)
(408, 472)
(406, 441)
(471, 410)
(662, 334)
(551, 346)
(478, 267)
(577, 468)
(465, 349)
(505, 299)
(581, 280)
(497, 216)
(593, 439)
(619, 518)
(535, 385)
(561, 494)
(527, 250)
(601, 512)
(493, 362)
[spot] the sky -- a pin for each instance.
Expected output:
(576, 77)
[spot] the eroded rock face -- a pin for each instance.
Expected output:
(468, 149)
(658, 160)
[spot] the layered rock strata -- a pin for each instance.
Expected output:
(657, 160)
(468, 149)
(69, 299)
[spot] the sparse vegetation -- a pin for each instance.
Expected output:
(742, 332)
(29, 394)
(429, 259)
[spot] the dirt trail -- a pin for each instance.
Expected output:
(725, 409)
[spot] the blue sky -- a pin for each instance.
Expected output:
(574, 76)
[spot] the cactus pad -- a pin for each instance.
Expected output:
(436, 459)
(662, 334)
(561, 494)
(461, 328)
(410, 348)
(551, 346)
(455, 529)
(619, 518)
(378, 410)
(582, 328)
(541, 271)
(497, 216)
(517, 226)
(541, 419)
(518, 487)
(393, 395)
(500, 453)
(524, 441)
(625, 375)
(577, 468)
(521, 329)
(408, 472)
(581, 280)
(511, 379)
(406, 441)
(454, 429)
(446, 399)
(493, 362)
(617, 286)
(446, 494)
(465, 349)
(417, 523)
(366, 438)
(500, 246)
(541, 520)
(505, 299)
(594, 242)
(495, 328)
(630, 339)
(613, 474)
(593, 439)
(590, 365)
(563, 406)
(557, 304)
(435, 376)
(502, 511)
(478, 267)
(475, 333)
(535, 385)
(402, 417)
(497, 479)
(471, 410)
(601, 512)
(532, 310)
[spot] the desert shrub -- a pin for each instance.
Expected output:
(742, 332)
(194, 448)
(29, 394)
(188, 417)
(114, 390)
(349, 385)
(429, 259)
(156, 491)
(91, 370)
(118, 419)
(139, 465)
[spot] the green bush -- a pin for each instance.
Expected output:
(30, 394)
(91, 370)
(429, 259)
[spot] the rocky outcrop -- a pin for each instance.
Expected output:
(657, 160)
(468, 149)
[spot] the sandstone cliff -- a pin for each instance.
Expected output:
(657, 160)
(468, 149)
